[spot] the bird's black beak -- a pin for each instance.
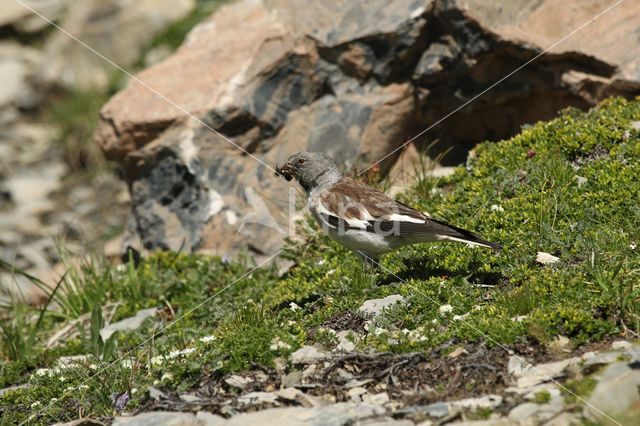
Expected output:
(286, 170)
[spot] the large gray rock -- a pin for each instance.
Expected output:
(616, 398)
(355, 81)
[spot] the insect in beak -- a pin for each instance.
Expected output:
(284, 171)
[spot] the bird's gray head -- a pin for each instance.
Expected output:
(310, 169)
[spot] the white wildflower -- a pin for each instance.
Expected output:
(632, 245)
(331, 271)
(293, 306)
(35, 405)
(157, 360)
(379, 331)
(497, 208)
(40, 372)
(166, 376)
(185, 351)
(62, 378)
(83, 387)
(277, 343)
(70, 389)
(52, 400)
(321, 262)
(445, 308)
(206, 339)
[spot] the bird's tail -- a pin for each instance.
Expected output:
(463, 236)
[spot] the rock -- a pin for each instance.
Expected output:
(437, 410)
(518, 366)
(131, 323)
(12, 388)
(597, 361)
(172, 418)
(106, 26)
(546, 258)
(292, 379)
(238, 381)
(344, 343)
(530, 413)
(486, 401)
(335, 414)
(376, 307)
(621, 345)
(258, 398)
(544, 372)
(348, 79)
(308, 355)
(22, 19)
(355, 393)
(288, 394)
(377, 399)
(616, 395)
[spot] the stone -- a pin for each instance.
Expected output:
(308, 355)
(288, 394)
(518, 366)
(486, 401)
(335, 414)
(621, 345)
(616, 395)
(169, 418)
(238, 381)
(597, 361)
(544, 372)
(546, 258)
(375, 307)
(376, 399)
(344, 343)
(12, 388)
(131, 323)
(23, 20)
(258, 398)
(292, 379)
(106, 26)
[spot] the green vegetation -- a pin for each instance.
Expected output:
(527, 193)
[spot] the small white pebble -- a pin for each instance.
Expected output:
(546, 258)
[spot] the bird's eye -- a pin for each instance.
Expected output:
(302, 161)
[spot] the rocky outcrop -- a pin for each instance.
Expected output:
(262, 79)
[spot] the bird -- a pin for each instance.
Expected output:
(361, 218)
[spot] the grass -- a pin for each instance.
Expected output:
(521, 192)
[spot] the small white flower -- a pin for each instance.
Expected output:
(134, 390)
(632, 245)
(293, 306)
(40, 372)
(157, 360)
(166, 376)
(321, 262)
(93, 366)
(185, 351)
(331, 271)
(62, 378)
(69, 389)
(379, 331)
(53, 400)
(83, 387)
(35, 405)
(497, 208)
(277, 343)
(207, 339)
(445, 308)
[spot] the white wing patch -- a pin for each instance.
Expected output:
(323, 214)
(403, 218)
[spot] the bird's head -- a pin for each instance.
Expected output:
(309, 169)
